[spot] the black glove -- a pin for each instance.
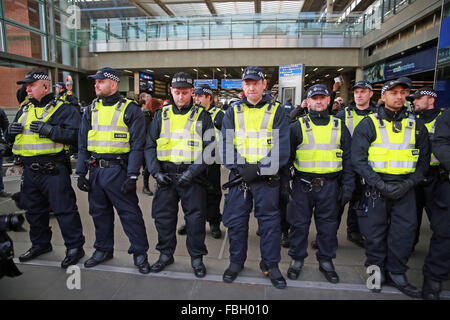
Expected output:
(83, 184)
(405, 186)
(129, 185)
(185, 179)
(43, 128)
(249, 172)
(344, 196)
(15, 128)
(390, 190)
(163, 179)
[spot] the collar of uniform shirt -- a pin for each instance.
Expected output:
(44, 101)
(265, 99)
(111, 100)
(428, 115)
(392, 115)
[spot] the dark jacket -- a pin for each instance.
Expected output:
(153, 164)
(280, 122)
(441, 140)
(365, 134)
(134, 119)
(347, 175)
(4, 124)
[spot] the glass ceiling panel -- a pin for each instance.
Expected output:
(234, 7)
(189, 9)
(281, 6)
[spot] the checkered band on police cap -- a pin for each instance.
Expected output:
(41, 76)
(111, 76)
(426, 92)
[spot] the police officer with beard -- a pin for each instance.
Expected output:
(390, 150)
(111, 145)
(42, 130)
(174, 155)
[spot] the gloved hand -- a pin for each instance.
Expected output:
(163, 179)
(390, 190)
(129, 185)
(83, 184)
(344, 196)
(405, 186)
(249, 172)
(185, 179)
(15, 128)
(43, 128)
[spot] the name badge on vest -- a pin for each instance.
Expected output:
(193, 143)
(415, 152)
(120, 135)
(338, 154)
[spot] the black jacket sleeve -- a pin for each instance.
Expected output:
(441, 140)
(151, 159)
(348, 174)
(423, 144)
(218, 120)
(83, 154)
(4, 123)
(66, 123)
(134, 119)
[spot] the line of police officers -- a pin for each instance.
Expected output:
(383, 153)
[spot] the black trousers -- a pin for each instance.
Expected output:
(39, 193)
(389, 228)
(437, 262)
(104, 196)
(425, 197)
(165, 213)
(324, 204)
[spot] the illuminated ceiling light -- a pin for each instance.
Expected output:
(306, 75)
(340, 69)
(195, 70)
(327, 75)
(218, 69)
(316, 69)
(150, 70)
(128, 71)
(167, 76)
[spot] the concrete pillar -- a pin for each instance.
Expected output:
(359, 75)
(343, 91)
(136, 84)
(330, 6)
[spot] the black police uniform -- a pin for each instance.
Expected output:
(437, 263)
(47, 185)
(263, 192)
(388, 225)
(107, 175)
(425, 190)
(322, 200)
(352, 220)
(193, 196)
(148, 116)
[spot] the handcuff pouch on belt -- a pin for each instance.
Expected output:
(47, 168)
(315, 184)
(93, 162)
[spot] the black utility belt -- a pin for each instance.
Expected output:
(315, 182)
(48, 168)
(102, 163)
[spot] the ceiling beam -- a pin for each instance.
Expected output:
(140, 7)
(211, 8)
(164, 7)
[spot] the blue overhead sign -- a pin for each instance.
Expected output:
(211, 82)
(291, 70)
(231, 84)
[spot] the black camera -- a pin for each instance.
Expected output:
(9, 222)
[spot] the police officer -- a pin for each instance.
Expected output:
(174, 155)
(111, 145)
(320, 151)
(255, 135)
(63, 94)
(390, 151)
(203, 96)
(145, 102)
(42, 130)
(424, 100)
(361, 107)
(437, 263)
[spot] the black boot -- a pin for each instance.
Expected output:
(285, 243)
(34, 252)
(72, 257)
(215, 230)
(399, 281)
(141, 261)
(431, 289)
(327, 268)
(98, 257)
(163, 261)
(274, 274)
(232, 272)
(294, 269)
(199, 267)
(182, 230)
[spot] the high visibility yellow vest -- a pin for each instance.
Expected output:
(320, 151)
(431, 126)
(394, 152)
(109, 133)
(352, 119)
(28, 143)
(179, 141)
(253, 138)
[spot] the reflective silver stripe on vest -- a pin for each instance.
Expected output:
(42, 146)
(312, 145)
(264, 124)
(113, 126)
(187, 127)
(395, 146)
(115, 144)
(350, 121)
(393, 164)
(178, 153)
(321, 164)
